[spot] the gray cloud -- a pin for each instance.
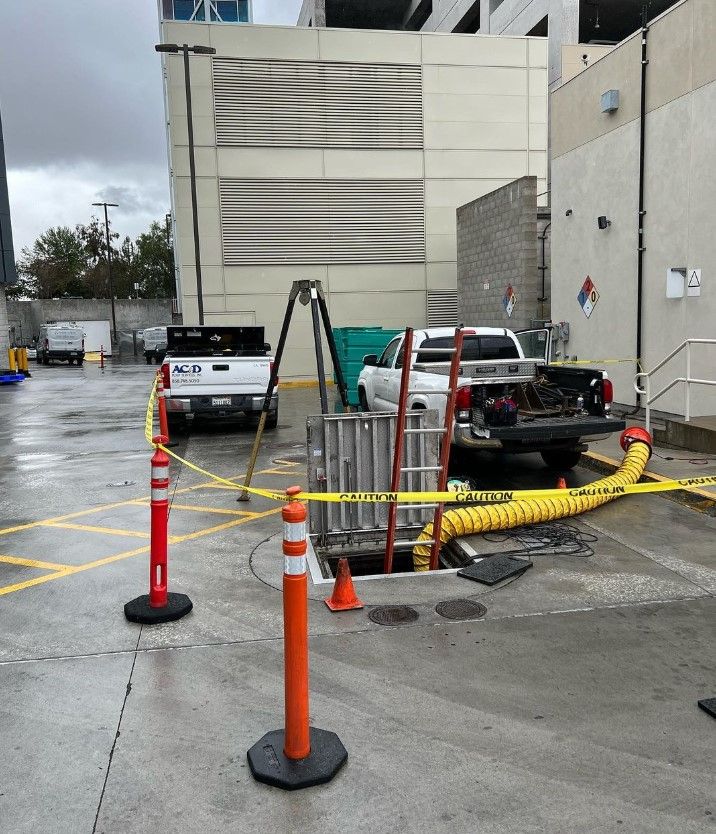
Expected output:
(82, 107)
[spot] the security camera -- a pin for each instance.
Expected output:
(603, 223)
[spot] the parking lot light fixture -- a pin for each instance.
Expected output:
(185, 49)
(109, 266)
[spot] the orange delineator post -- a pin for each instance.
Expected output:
(101, 356)
(298, 756)
(158, 606)
(162, 407)
(297, 743)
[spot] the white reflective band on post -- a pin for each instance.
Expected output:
(294, 531)
(161, 494)
(294, 565)
(160, 473)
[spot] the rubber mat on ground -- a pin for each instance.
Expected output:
(494, 569)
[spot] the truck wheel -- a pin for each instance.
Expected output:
(272, 420)
(561, 459)
(45, 359)
(149, 360)
(80, 361)
(363, 400)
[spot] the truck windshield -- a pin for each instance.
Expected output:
(474, 348)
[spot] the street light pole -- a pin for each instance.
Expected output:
(185, 49)
(109, 266)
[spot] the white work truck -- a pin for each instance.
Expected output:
(61, 342)
(217, 373)
(509, 397)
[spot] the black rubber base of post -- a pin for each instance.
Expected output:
(708, 705)
(140, 611)
(269, 764)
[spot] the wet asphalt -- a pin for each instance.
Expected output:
(570, 707)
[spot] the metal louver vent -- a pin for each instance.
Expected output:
(304, 221)
(317, 104)
(442, 308)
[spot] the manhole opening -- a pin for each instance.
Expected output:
(371, 563)
(391, 615)
(460, 609)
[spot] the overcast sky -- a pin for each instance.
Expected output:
(82, 110)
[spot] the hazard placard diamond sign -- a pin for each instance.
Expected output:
(588, 297)
(509, 299)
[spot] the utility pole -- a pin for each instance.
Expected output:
(185, 49)
(109, 265)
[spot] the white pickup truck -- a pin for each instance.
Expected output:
(509, 397)
(217, 373)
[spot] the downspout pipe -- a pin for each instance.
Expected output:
(642, 211)
(543, 266)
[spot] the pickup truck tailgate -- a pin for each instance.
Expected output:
(218, 375)
(540, 429)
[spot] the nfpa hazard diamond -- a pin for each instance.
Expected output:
(588, 297)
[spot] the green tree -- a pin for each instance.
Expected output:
(154, 263)
(56, 264)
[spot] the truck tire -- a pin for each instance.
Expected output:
(80, 362)
(363, 400)
(561, 459)
(45, 359)
(272, 420)
(149, 360)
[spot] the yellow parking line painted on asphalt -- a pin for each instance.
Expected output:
(87, 528)
(73, 569)
(31, 563)
(291, 463)
(220, 510)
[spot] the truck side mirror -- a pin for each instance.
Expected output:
(370, 359)
(267, 347)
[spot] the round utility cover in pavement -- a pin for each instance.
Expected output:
(391, 615)
(460, 609)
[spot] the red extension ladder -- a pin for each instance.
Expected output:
(401, 430)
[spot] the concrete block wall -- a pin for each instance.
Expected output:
(4, 335)
(497, 247)
(132, 314)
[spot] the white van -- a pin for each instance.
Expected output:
(61, 342)
(155, 344)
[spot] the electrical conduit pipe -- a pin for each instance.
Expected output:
(467, 521)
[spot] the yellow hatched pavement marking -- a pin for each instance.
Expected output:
(88, 528)
(219, 510)
(73, 569)
(31, 563)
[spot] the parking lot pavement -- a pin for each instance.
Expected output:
(570, 707)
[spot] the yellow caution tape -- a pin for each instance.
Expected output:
(497, 496)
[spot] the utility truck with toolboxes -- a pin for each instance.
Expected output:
(509, 397)
(217, 373)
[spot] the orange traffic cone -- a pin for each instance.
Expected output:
(561, 484)
(344, 596)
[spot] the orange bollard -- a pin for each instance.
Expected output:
(162, 408)
(298, 756)
(101, 357)
(158, 606)
(344, 597)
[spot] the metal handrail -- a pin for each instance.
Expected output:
(688, 379)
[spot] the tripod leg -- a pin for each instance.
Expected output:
(342, 387)
(319, 349)
(269, 391)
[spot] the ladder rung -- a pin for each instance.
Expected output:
(424, 431)
(429, 391)
(412, 544)
(421, 469)
(416, 506)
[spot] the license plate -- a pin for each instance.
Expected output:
(221, 400)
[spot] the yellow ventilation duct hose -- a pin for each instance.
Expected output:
(467, 521)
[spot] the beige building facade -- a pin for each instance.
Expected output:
(342, 156)
(595, 173)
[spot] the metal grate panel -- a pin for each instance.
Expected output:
(442, 308)
(317, 104)
(304, 221)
